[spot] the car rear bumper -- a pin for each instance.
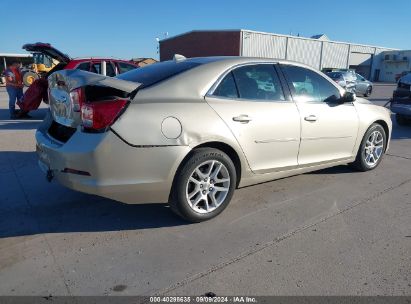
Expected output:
(116, 170)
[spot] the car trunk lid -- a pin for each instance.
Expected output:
(47, 49)
(67, 88)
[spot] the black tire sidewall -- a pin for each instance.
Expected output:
(179, 200)
(368, 92)
(361, 157)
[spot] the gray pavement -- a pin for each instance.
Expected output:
(330, 232)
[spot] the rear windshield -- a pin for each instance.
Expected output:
(154, 73)
(334, 75)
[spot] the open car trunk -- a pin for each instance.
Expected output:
(47, 49)
(71, 91)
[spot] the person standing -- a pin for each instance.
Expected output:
(14, 87)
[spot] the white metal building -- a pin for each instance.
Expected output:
(318, 52)
(393, 63)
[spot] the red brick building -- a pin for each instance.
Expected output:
(202, 43)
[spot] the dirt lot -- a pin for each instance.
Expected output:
(331, 232)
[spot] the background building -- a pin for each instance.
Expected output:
(143, 61)
(6, 58)
(318, 52)
(394, 63)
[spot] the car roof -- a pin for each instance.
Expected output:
(239, 60)
(82, 59)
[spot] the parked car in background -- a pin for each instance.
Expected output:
(38, 87)
(362, 86)
(346, 79)
(401, 101)
(352, 81)
(104, 66)
(398, 76)
(190, 131)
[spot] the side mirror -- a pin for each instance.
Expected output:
(348, 97)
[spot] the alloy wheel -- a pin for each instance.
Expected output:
(374, 148)
(208, 186)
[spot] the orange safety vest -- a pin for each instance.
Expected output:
(18, 78)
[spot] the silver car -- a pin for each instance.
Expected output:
(191, 131)
(363, 86)
(352, 81)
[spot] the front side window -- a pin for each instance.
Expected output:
(360, 78)
(309, 86)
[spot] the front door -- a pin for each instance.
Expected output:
(251, 102)
(328, 128)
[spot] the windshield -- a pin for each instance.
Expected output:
(157, 72)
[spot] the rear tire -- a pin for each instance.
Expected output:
(372, 148)
(29, 78)
(203, 186)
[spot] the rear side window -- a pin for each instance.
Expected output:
(157, 72)
(85, 66)
(227, 87)
(258, 82)
(125, 67)
(253, 82)
(309, 86)
(110, 69)
(96, 68)
(334, 75)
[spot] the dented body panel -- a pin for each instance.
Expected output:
(137, 159)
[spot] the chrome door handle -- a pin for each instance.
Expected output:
(242, 118)
(311, 118)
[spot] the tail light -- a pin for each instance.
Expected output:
(77, 99)
(102, 114)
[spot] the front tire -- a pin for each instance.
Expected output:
(372, 148)
(203, 186)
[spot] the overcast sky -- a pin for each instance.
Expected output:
(127, 29)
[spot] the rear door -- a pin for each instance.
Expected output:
(361, 84)
(251, 101)
(328, 128)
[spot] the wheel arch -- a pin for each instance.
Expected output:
(224, 147)
(384, 125)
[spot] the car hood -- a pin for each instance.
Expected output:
(363, 101)
(47, 49)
